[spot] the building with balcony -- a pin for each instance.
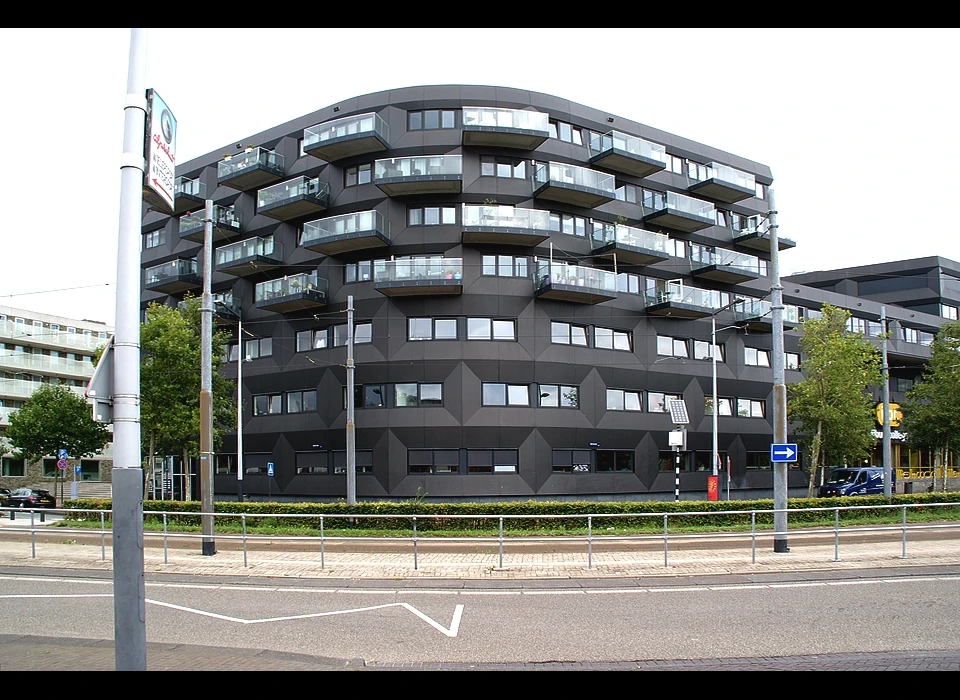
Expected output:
(532, 280)
(38, 349)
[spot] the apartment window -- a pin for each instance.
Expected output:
(726, 406)
(491, 166)
(225, 463)
(559, 396)
(900, 384)
(315, 462)
(358, 175)
(258, 347)
(491, 329)
(628, 283)
(622, 400)
(674, 164)
(363, 463)
(153, 239)
(758, 460)
(759, 191)
(10, 466)
(267, 404)
(697, 171)
(568, 224)
(433, 461)
(311, 340)
(702, 350)
(568, 334)
(500, 394)
(653, 200)
(431, 329)
(504, 266)
(432, 119)
(750, 408)
(756, 357)
(301, 401)
(614, 461)
(413, 394)
(667, 461)
(628, 193)
(480, 461)
(572, 461)
(565, 132)
(431, 216)
(610, 339)
(362, 333)
(657, 401)
(948, 311)
(357, 272)
(791, 360)
(672, 347)
(367, 396)
(49, 468)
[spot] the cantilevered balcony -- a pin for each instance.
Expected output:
(294, 198)
(360, 230)
(633, 246)
(678, 301)
(724, 184)
(723, 265)
(757, 315)
(571, 184)
(418, 276)
(627, 154)
(24, 389)
(19, 361)
(292, 293)
(47, 338)
(677, 211)
(347, 136)
(504, 128)
(504, 225)
(565, 282)
(225, 308)
(247, 257)
(419, 175)
(189, 194)
(173, 277)
(755, 233)
(226, 224)
(255, 167)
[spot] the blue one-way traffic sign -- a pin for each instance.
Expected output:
(786, 452)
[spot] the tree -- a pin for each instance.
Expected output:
(931, 410)
(832, 404)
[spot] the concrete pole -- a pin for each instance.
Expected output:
(713, 354)
(240, 356)
(779, 388)
(208, 546)
(129, 607)
(351, 428)
(887, 457)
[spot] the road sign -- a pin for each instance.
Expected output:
(787, 452)
(61, 464)
(76, 469)
(269, 468)
(62, 453)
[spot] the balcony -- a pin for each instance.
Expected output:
(225, 308)
(226, 224)
(680, 212)
(724, 184)
(188, 195)
(757, 315)
(251, 169)
(571, 184)
(47, 338)
(346, 137)
(346, 233)
(418, 276)
(504, 128)
(23, 389)
(504, 225)
(292, 293)
(722, 265)
(420, 175)
(632, 246)
(173, 277)
(677, 301)
(294, 198)
(755, 233)
(627, 154)
(246, 257)
(565, 282)
(14, 361)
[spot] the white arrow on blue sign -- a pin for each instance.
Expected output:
(786, 452)
(269, 468)
(62, 453)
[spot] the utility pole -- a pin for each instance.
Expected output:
(351, 428)
(129, 603)
(240, 356)
(887, 458)
(779, 388)
(208, 546)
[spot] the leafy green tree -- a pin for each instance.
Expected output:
(832, 404)
(931, 410)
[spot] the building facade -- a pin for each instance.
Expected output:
(37, 349)
(532, 281)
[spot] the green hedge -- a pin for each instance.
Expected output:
(431, 514)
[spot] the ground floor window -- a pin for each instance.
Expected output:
(668, 460)
(10, 466)
(492, 461)
(572, 461)
(49, 468)
(614, 461)
(433, 461)
(225, 464)
(89, 470)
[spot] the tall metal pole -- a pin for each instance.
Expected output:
(208, 546)
(713, 353)
(129, 606)
(779, 388)
(887, 458)
(240, 356)
(351, 428)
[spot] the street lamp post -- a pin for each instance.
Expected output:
(716, 408)
(240, 410)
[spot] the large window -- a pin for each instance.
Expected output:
(623, 400)
(267, 404)
(491, 166)
(672, 347)
(498, 394)
(702, 350)
(750, 408)
(11, 466)
(431, 216)
(433, 461)
(756, 357)
(357, 272)
(568, 334)
(431, 329)
(358, 175)
(559, 396)
(418, 394)
(504, 266)
(368, 396)
(614, 461)
(311, 340)
(432, 119)
(572, 461)
(362, 333)
(725, 404)
(791, 360)
(565, 132)
(568, 223)
(610, 339)
(657, 401)
(49, 467)
(301, 401)
(258, 347)
(153, 239)
(481, 461)
(491, 329)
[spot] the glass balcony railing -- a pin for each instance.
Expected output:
(187, 187)
(303, 283)
(248, 160)
(10, 330)
(548, 274)
(634, 237)
(171, 270)
(630, 144)
(751, 309)
(357, 125)
(689, 205)
(756, 225)
(497, 117)
(564, 174)
(23, 388)
(701, 256)
(10, 359)
(222, 216)
(497, 216)
(293, 190)
(724, 173)
(334, 226)
(680, 294)
(418, 270)
(418, 167)
(250, 248)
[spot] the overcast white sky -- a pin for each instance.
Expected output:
(858, 126)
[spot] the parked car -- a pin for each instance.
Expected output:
(32, 498)
(856, 481)
(4, 497)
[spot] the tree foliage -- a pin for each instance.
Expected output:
(53, 418)
(832, 404)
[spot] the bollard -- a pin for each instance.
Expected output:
(589, 541)
(243, 530)
(501, 541)
(753, 535)
(836, 534)
(665, 540)
(903, 524)
(33, 538)
(103, 539)
(321, 543)
(414, 542)
(164, 538)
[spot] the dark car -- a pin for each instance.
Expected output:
(4, 497)
(32, 498)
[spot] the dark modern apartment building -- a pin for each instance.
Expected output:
(532, 280)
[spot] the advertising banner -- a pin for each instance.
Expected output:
(160, 148)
